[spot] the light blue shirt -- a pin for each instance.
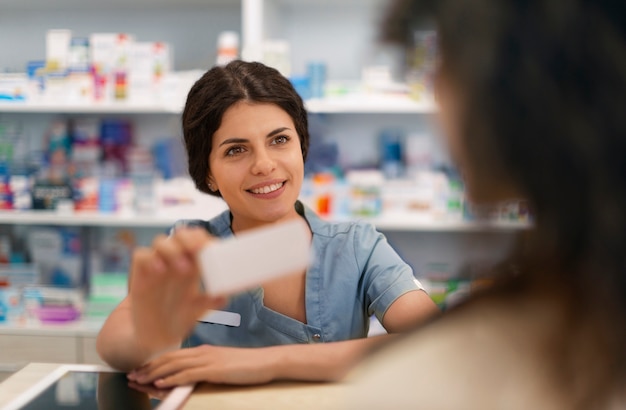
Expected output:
(355, 274)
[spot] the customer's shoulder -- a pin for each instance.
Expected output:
(472, 351)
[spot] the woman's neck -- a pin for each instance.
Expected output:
(240, 224)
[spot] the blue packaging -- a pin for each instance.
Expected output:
(302, 85)
(316, 71)
(391, 153)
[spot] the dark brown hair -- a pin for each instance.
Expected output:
(542, 87)
(216, 91)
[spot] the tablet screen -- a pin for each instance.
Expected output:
(85, 390)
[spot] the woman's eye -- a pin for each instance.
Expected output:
(234, 151)
(281, 139)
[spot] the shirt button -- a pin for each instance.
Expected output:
(317, 337)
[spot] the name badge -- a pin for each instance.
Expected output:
(222, 317)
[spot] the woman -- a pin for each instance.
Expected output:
(245, 130)
(532, 96)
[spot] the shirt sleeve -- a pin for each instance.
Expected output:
(385, 275)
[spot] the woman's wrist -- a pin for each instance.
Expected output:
(147, 350)
(303, 362)
(167, 349)
(276, 362)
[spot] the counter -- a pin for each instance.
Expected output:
(278, 395)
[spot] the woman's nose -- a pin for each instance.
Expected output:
(263, 164)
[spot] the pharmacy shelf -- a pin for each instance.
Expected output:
(131, 219)
(39, 5)
(90, 108)
(369, 104)
(366, 104)
(164, 219)
(84, 327)
(425, 223)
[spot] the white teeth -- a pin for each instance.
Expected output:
(267, 189)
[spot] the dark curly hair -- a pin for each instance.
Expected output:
(217, 90)
(542, 89)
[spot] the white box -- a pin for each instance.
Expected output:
(58, 48)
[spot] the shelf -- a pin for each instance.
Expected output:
(94, 108)
(165, 219)
(83, 219)
(39, 5)
(334, 105)
(85, 327)
(420, 223)
(326, 3)
(370, 104)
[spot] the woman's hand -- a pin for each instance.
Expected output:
(150, 390)
(165, 293)
(207, 363)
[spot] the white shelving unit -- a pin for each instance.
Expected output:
(353, 104)
(96, 108)
(390, 222)
(369, 104)
(312, 27)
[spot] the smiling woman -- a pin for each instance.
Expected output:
(246, 135)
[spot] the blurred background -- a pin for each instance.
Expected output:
(91, 161)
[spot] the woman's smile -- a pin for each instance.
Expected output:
(268, 191)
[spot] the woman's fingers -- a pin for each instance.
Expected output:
(145, 266)
(179, 249)
(186, 376)
(167, 364)
(150, 390)
(170, 257)
(192, 239)
(176, 257)
(215, 364)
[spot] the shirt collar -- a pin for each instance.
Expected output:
(221, 225)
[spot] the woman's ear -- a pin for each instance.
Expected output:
(210, 183)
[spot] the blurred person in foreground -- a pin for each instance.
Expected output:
(532, 97)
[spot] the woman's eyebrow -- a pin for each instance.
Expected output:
(276, 131)
(233, 141)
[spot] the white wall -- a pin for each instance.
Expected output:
(192, 30)
(343, 34)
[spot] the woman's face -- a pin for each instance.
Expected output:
(256, 163)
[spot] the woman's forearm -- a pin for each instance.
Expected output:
(118, 345)
(320, 362)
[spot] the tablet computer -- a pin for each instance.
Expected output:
(94, 387)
